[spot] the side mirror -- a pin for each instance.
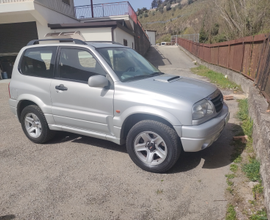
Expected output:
(98, 81)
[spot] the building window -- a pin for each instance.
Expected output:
(66, 2)
(125, 42)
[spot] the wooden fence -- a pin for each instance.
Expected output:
(249, 56)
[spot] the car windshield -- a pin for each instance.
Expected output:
(128, 64)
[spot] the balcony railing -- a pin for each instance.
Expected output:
(105, 10)
(11, 1)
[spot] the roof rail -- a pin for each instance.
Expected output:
(76, 41)
(109, 42)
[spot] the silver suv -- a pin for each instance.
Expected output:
(109, 91)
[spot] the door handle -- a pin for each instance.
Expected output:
(61, 87)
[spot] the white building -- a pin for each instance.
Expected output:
(25, 20)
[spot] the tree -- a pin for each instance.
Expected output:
(161, 10)
(168, 7)
(243, 17)
(159, 2)
(154, 4)
(203, 36)
(141, 11)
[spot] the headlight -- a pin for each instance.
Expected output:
(202, 109)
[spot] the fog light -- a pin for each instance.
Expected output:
(207, 143)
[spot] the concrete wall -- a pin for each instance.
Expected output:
(120, 35)
(30, 11)
(59, 6)
(91, 34)
(16, 7)
(51, 16)
(261, 121)
(152, 37)
(43, 16)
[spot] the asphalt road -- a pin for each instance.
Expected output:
(77, 177)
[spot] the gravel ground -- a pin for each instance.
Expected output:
(77, 177)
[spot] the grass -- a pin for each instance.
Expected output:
(230, 176)
(252, 170)
(246, 122)
(259, 215)
(217, 78)
(257, 191)
(230, 189)
(231, 213)
(233, 168)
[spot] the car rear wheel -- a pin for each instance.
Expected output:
(153, 146)
(34, 125)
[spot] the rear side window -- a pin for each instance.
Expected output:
(38, 62)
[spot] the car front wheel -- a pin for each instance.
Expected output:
(153, 146)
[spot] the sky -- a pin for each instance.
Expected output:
(134, 3)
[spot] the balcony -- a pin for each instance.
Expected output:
(106, 10)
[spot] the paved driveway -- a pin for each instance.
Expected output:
(77, 177)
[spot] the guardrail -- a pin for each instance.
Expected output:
(249, 56)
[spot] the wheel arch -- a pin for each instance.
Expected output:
(21, 105)
(27, 100)
(131, 120)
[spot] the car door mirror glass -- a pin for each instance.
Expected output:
(98, 81)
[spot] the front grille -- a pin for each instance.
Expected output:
(218, 102)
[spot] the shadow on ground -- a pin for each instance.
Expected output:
(156, 58)
(217, 155)
(7, 217)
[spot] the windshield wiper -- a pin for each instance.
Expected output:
(156, 74)
(142, 76)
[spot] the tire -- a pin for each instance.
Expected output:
(153, 146)
(34, 125)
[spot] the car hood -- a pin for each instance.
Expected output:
(181, 88)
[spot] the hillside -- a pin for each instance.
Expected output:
(216, 21)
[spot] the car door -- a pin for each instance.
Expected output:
(76, 105)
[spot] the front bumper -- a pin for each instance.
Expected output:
(199, 137)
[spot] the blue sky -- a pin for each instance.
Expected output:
(134, 3)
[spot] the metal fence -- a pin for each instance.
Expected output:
(192, 37)
(249, 56)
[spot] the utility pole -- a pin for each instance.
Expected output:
(92, 9)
